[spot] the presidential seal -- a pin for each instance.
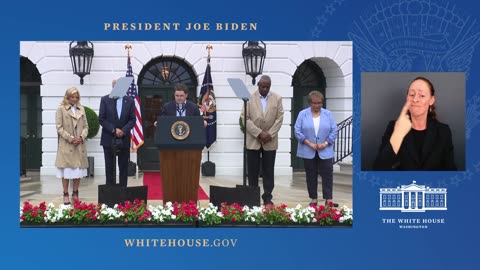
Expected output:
(180, 130)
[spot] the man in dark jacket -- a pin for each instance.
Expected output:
(117, 118)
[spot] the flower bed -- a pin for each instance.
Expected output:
(138, 213)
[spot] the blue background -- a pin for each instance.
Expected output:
(370, 244)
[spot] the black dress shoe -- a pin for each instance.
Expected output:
(65, 195)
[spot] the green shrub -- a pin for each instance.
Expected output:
(240, 122)
(93, 123)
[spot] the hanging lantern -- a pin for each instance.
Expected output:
(81, 56)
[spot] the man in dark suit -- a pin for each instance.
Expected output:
(181, 106)
(117, 118)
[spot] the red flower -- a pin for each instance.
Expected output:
(27, 206)
(43, 206)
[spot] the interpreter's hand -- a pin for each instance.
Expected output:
(155, 123)
(403, 123)
(204, 123)
(402, 127)
(119, 133)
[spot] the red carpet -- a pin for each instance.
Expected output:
(154, 182)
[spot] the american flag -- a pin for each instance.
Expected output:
(136, 134)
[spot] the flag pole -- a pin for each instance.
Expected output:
(209, 49)
(128, 47)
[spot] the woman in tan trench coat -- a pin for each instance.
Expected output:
(72, 129)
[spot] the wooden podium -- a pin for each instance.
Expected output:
(180, 141)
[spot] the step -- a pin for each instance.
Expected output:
(345, 166)
(339, 178)
(30, 186)
(342, 178)
(26, 194)
(25, 179)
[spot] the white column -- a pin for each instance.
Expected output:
(381, 194)
(445, 199)
(409, 200)
(423, 199)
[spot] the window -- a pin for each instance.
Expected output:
(167, 71)
(420, 199)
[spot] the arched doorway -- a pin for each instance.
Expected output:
(30, 116)
(308, 77)
(155, 84)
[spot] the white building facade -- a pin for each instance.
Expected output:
(289, 65)
(413, 198)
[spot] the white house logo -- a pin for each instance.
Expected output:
(413, 198)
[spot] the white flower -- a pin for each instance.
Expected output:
(165, 213)
(63, 207)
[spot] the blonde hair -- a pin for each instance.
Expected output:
(70, 92)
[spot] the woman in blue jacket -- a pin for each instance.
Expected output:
(316, 131)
